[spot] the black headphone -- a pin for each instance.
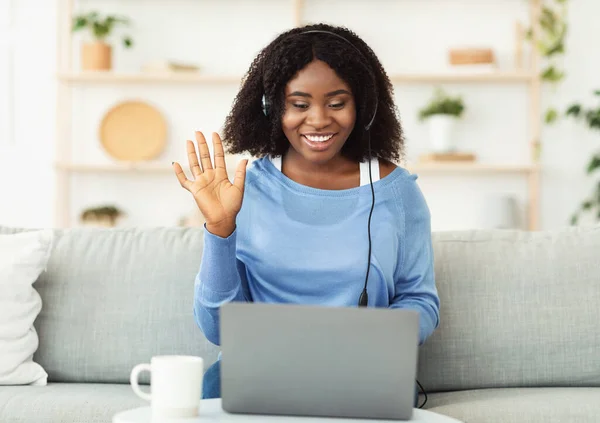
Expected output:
(266, 105)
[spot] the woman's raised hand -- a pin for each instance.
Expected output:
(217, 198)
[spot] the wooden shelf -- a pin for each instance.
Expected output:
(495, 77)
(147, 78)
(419, 167)
(473, 167)
(113, 168)
(199, 78)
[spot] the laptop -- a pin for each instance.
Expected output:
(304, 360)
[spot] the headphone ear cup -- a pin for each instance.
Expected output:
(265, 106)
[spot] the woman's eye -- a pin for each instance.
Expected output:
(337, 105)
(300, 106)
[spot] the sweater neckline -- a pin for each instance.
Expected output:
(378, 185)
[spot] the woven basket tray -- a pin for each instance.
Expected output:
(133, 131)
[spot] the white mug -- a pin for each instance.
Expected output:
(175, 385)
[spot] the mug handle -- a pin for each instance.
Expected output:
(135, 373)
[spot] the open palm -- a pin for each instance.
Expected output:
(218, 199)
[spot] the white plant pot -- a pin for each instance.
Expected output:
(441, 133)
(500, 211)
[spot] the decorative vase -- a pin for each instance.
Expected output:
(96, 56)
(441, 131)
(500, 211)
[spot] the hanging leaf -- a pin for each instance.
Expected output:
(598, 200)
(597, 92)
(593, 164)
(79, 23)
(557, 47)
(552, 74)
(593, 119)
(551, 116)
(574, 219)
(574, 110)
(548, 19)
(127, 42)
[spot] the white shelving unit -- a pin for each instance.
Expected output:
(67, 79)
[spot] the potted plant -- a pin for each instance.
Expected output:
(97, 54)
(590, 116)
(442, 112)
(102, 216)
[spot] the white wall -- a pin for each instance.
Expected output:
(223, 36)
(26, 174)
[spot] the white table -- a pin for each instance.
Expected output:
(211, 411)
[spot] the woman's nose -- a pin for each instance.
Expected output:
(318, 117)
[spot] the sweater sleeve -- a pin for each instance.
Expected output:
(414, 277)
(221, 279)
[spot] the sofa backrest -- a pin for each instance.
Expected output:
(113, 298)
(517, 309)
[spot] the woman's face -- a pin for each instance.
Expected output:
(320, 113)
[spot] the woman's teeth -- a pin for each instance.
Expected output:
(318, 138)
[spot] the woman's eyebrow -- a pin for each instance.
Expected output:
(337, 92)
(299, 94)
(331, 94)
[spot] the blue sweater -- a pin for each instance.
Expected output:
(297, 244)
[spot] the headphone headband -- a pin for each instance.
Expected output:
(266, 103)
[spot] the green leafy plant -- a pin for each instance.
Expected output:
(550, 43)
(101, 27)
(106, 215)
(442, 104)
(553, 30)
(590, 116)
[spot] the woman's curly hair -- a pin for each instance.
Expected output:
(247, 129)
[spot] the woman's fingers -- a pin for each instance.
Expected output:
(183, 180)
(240, 175)
(193, 159)
(204, 152)
(219, 152)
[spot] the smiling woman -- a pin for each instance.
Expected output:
(307, 72)
(317, 122)
(316, 108)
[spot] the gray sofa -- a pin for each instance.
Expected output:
(519, 339)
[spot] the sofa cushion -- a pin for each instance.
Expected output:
(66, 403)
(113, 298)
(23, 257)
(516, 405)
(517, 309)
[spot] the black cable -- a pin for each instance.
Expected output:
(364, 296)
(424, 393)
